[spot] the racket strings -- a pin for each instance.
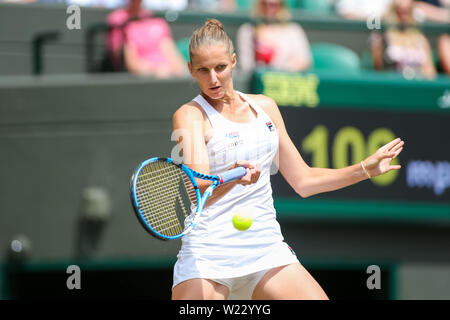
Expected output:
(164, 194)
(161, 215)
(187, 182)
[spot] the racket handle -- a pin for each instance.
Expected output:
(232, 174)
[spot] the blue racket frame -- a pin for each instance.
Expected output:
(217, 180)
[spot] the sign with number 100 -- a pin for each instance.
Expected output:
(347, 147)
(338, 137)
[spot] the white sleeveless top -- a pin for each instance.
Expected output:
(215, 248)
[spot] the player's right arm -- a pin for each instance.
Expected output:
(189, 131)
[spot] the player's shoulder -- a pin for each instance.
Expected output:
(266, 103)
(269, 106)
(189, 111)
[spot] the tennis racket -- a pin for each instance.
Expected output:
(164, 193)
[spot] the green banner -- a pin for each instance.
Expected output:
(354, 90)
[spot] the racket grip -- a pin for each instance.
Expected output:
(232, 174)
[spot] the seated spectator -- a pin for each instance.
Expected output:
(111, 4)
(433, 10)
(142, 44)
(444, 53)
(403, 47)
(162, 5)
(19, 1)
(362, 9)
(177, 5)
(437, 11)
(213, 5)
(273, 41)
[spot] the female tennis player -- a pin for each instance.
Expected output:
(223, 128)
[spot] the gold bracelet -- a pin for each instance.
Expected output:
(365, 171)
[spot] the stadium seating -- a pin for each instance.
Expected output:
(183, 47)
(333, 56)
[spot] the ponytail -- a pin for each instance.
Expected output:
(211, 32)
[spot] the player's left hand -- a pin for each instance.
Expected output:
(380, 161)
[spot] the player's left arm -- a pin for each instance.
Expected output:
(308, 181)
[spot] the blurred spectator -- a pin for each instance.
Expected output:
(213, 5)
(142, 44)
(111, 4)
(273, 41)
(444, 53)
(19, 1)
(403, 47)
(177, 5)
(433, 10)
(161, 5)
(362, 9)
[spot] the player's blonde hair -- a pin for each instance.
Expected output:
(211, 32)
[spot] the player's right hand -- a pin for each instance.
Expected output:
(253, 171)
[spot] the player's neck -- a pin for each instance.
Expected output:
(230, 101)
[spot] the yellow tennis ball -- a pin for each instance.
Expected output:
(242, 220)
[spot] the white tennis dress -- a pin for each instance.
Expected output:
(215, 249)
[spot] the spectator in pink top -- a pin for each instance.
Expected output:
(142, 44)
